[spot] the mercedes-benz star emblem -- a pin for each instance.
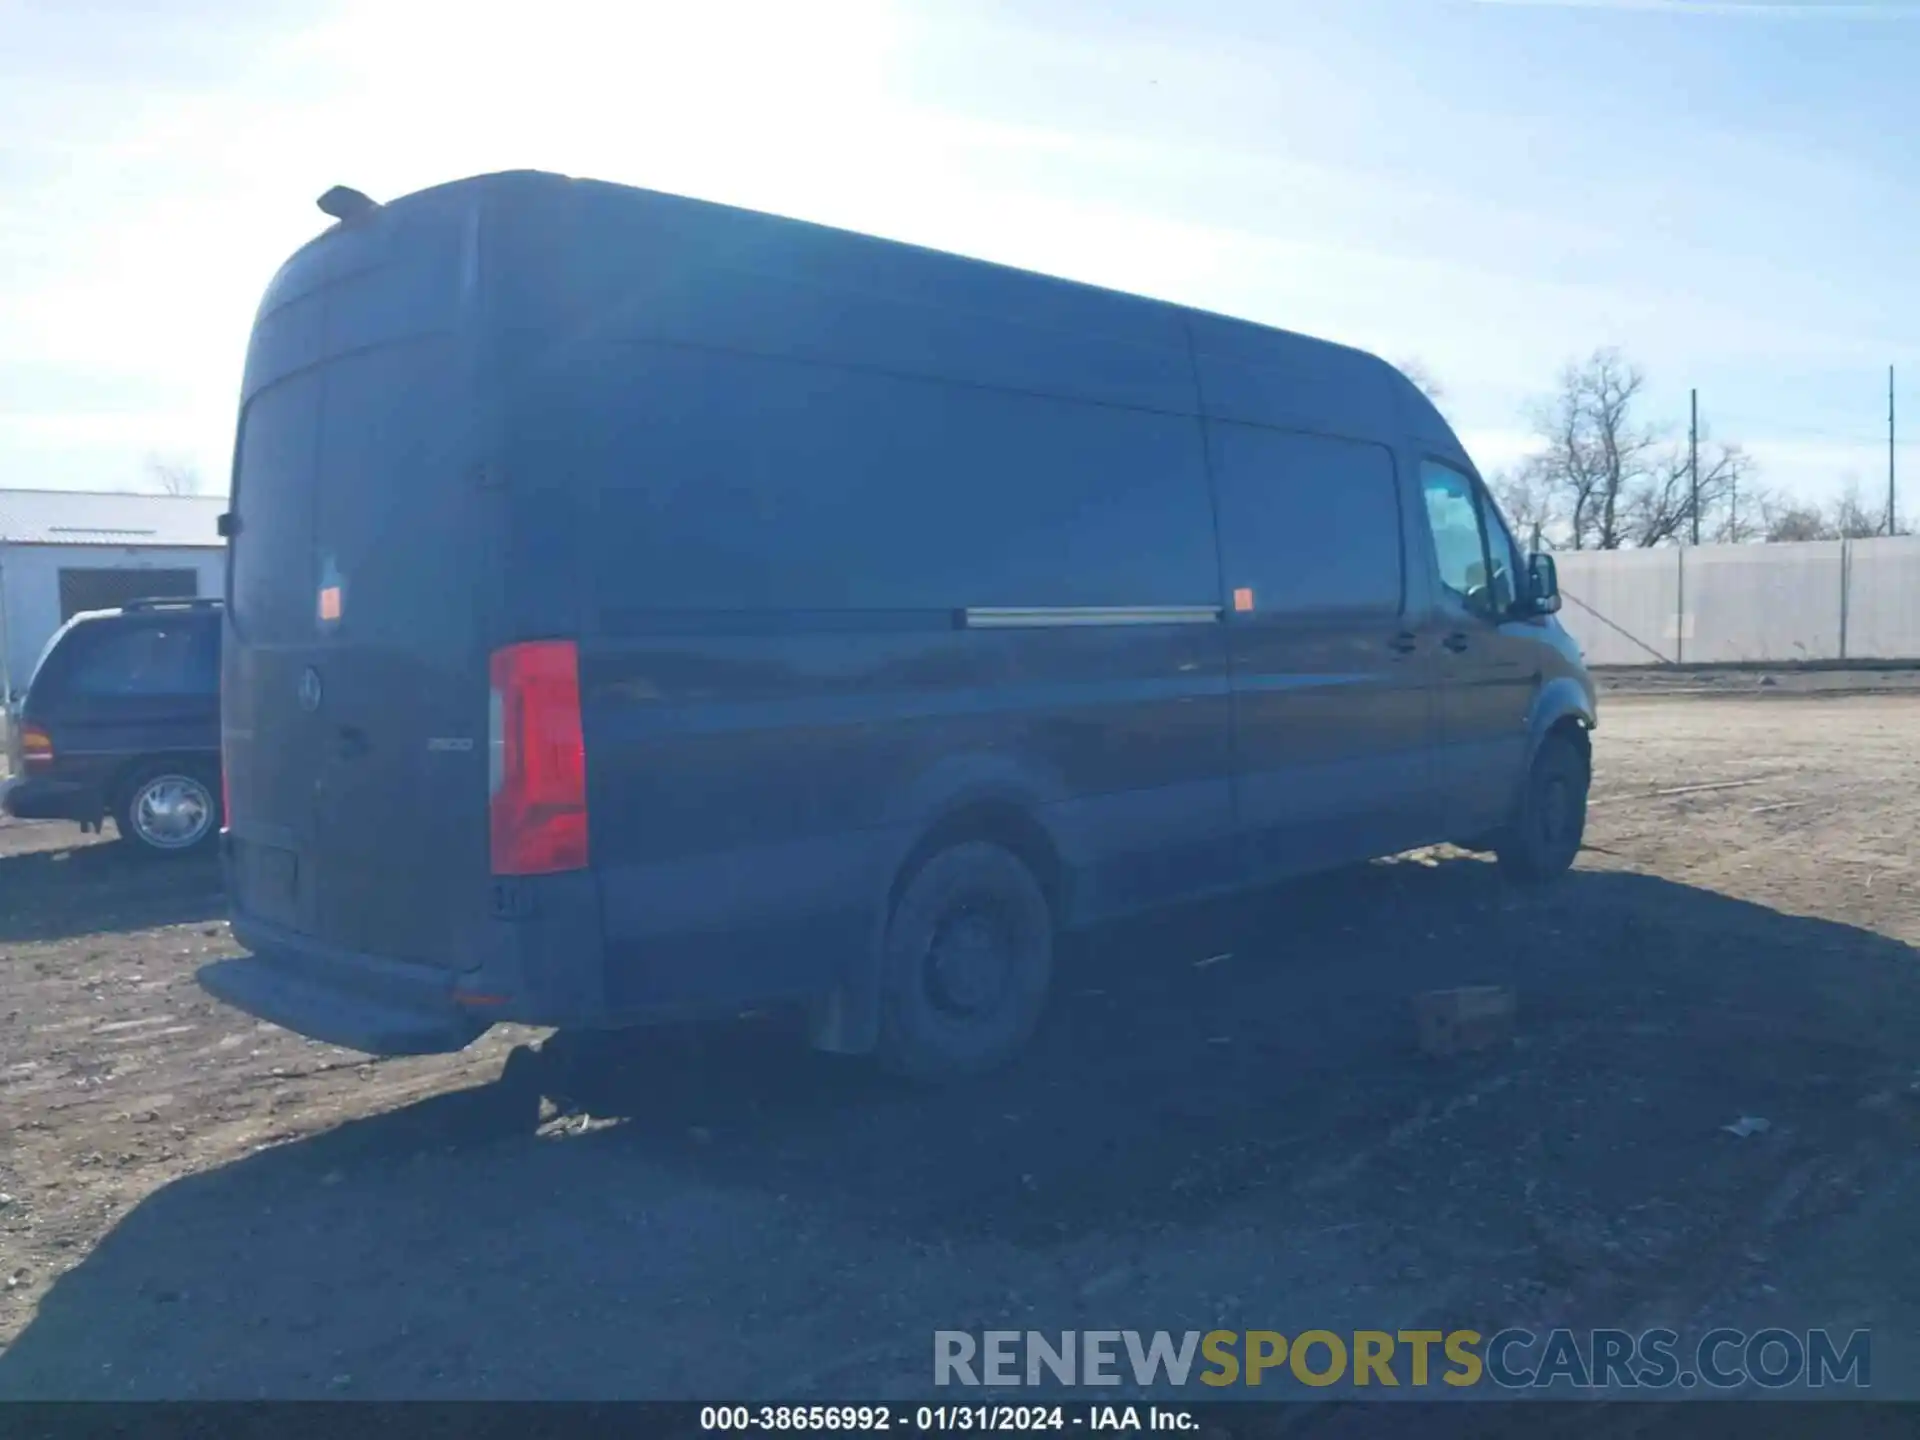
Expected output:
(310, 690)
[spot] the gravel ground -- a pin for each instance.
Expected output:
(1764, 681)
(1224, 1122)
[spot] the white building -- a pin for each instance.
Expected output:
(63, 551)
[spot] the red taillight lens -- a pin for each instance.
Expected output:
(537, 761)
(36, 747)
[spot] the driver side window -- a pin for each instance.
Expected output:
(1479, 574)
(1454, 521)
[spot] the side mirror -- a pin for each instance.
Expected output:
(1543, 584)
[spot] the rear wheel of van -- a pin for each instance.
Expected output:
(169, 808)
(1551, 818)
(969, 955)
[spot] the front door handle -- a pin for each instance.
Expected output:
(1406, 642)
(1457, 642)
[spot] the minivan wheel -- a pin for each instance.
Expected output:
(169, 810)
(968, 958)
(1551, 818)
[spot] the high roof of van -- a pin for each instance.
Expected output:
(605, 254)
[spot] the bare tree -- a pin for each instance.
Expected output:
(1422, 377)
(173, 477)
(1745, 516)
(1595, 450)
(1790, 521)
(1527, 502)
(1848, 518)
(1604, 478)
(1660, 505)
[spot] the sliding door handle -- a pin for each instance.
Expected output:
(1457, 642)
(1406, 642)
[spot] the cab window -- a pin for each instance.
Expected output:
(1477, 562)
(1507, 563)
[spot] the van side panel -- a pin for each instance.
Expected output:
(594, 263)
(1251, 375)
(1332, 724)
(781, 688)
(769, 785)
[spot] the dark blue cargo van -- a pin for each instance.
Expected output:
(639, 608)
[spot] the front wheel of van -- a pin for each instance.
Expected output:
(1551, 818)
(969, 956)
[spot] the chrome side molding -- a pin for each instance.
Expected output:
(1043, 617)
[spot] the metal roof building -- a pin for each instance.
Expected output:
(62, 551)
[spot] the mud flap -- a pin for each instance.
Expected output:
(846, 1020)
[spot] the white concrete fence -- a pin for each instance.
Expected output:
(1825, 600)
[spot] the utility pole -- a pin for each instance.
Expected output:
(1693, 460)
(1890, 510)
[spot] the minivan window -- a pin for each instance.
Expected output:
(46, 654)
(1307, 522)
(139, 660)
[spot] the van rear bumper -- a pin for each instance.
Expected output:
(364, 1002)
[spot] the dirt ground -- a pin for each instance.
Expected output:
(195, 1205)
(1761, 681)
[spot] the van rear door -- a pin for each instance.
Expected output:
(354, 679)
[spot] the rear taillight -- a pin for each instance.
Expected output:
(36, 747)
(537, 759)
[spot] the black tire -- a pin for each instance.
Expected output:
(169, 808)
(1551, 818)
(967, 963)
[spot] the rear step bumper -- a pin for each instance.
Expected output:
(381, 1007)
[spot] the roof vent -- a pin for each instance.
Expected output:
(344, 204)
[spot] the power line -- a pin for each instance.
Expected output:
(1763, 430)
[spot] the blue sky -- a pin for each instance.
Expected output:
(1725, 191)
